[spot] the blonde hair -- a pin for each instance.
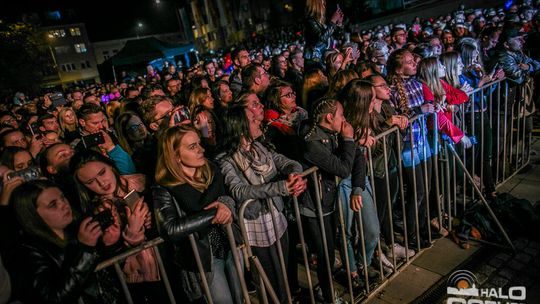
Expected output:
(428, 74)
(196, 98)
(317, 10)
(169, 170)
(62, 123)
(450, 61)
(331, 58)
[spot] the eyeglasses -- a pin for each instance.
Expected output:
(291, 94)
(167, 114)
(135, 126)
(382, 85)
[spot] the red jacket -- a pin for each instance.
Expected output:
(444, 118)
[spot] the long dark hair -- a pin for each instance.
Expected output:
(235, 126)
(121, 126)
(356, 97)
(85, 195)
(24, 201)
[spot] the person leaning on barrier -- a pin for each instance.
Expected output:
(329, 145)
(356, 192)
(55, 261)
(252, 172)
(382, 118)
(407, 98)
(509, 54)
(190, 199)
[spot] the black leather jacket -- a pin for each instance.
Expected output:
(317, 37)
(334, 157)
(47, 273)
(175, 225)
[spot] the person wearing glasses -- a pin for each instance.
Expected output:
(134, 138)
(399, 38)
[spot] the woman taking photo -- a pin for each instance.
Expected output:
(101, 187)
(317, 32)
(251, 172)
(192, 199)
(55, 263)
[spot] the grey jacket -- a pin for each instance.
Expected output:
(274, 188)
(509, 62)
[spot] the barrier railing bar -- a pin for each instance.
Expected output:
(123, 283)
(128, 253)
(237, 265)
(318, 199)
(164, 276)
(201, 269)
(344, 243)
(303, 245)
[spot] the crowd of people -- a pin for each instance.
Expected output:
(91, 173)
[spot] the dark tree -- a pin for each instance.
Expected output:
(22, 58)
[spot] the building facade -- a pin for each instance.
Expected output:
(72, 56)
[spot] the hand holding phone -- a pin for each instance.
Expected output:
(131, 199)
(93, 140)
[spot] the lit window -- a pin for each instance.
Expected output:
(80, 48)
(75, 31)
(57, 34)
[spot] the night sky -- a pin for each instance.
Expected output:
(104, 20)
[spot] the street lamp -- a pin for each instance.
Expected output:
(139, 27)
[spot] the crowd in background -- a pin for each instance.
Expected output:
(91, 172)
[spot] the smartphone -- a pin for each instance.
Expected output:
(34, 129)
(58, 99)
(104, 218)
(28, 174)
(181, 115)
(131, 199)
(93, 140)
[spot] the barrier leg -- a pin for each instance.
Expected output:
(201, 269)
(323, 234)
(164, 276)
(342, 225)
(123, 283)
(471, 180)
(237, 265)
(304, 251)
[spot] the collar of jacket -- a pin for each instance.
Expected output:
(322, 134)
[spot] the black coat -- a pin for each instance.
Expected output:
(333, 157)
(47, 273)
(179, 211)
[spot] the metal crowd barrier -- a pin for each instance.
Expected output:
(453, 187)
(116, 260)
